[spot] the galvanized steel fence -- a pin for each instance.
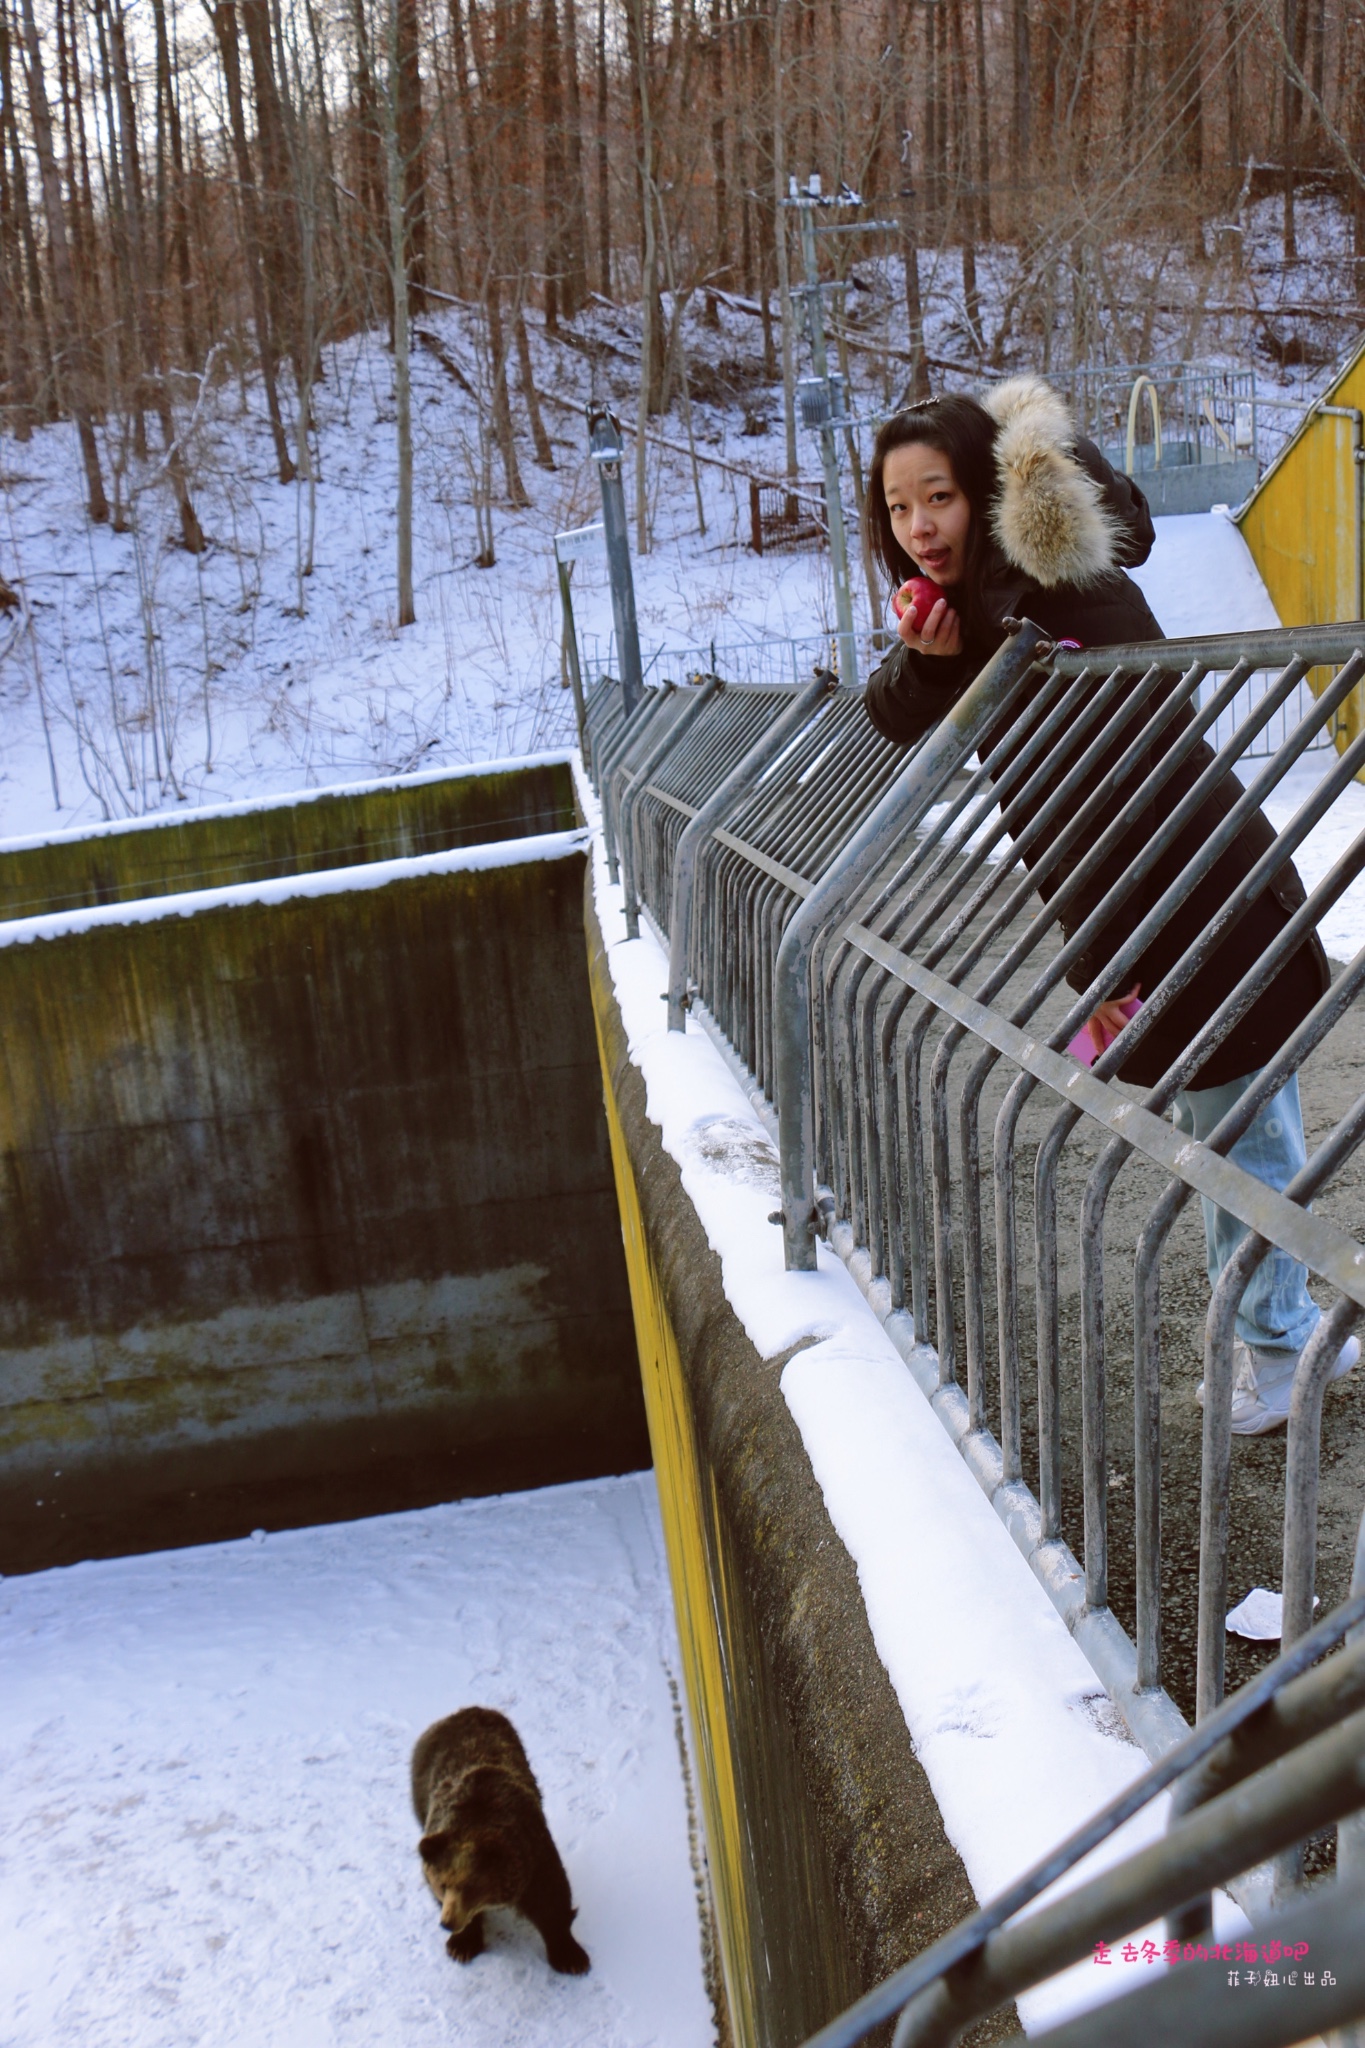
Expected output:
(1282, 1758)
(858, 924)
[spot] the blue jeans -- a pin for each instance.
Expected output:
(1277, 1312)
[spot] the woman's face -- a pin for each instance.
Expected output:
(930, 514)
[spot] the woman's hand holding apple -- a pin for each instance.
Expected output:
(925, 620)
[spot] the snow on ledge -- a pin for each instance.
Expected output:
(1015, 1732)
(154, 821)
(375, 874)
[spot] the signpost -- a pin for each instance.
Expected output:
(578, 540)
(604, 440)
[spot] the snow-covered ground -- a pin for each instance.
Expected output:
(205, 1828)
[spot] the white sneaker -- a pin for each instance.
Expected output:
(1264, 1382)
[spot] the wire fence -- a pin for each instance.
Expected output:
(867, 937)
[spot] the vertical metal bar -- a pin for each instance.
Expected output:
(653, 758)
(625, 747)
(741, 778)
(1302, 1463)
(565, 571)
(829, 454)
(1215, 1470)
(1045, 1295)
(1351, 1833)
(899, 811)
(604, 440)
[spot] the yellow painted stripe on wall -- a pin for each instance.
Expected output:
(688, 1508)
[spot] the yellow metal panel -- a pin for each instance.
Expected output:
(1300, 524)
(688, 1509)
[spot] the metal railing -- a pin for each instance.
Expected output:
(1280, 1760)
(1206, 411)
(763, 662)
(860, 927)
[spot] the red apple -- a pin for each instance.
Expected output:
(917, 597)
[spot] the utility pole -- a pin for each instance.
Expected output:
(604, 442)
(823, 407)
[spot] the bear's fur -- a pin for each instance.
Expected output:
(485, 1841)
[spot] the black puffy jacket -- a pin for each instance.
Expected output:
(1064, 524)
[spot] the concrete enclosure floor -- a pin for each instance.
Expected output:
(205, 1826)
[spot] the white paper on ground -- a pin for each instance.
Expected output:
(1260, 1617)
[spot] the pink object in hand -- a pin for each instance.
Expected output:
(1082, 1046)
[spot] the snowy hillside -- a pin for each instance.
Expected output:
(144, 677)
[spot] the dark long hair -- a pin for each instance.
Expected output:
(963, 431)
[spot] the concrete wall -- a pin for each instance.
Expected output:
(307, 1210)
(209, 849)
(828, 1859)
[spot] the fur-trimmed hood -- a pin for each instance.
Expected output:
(1050, 518)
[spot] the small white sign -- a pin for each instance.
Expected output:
(579, 540)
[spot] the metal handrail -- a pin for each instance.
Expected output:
(1278, 1761)
(860, 928)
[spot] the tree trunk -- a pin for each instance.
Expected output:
(398, 260)
(1295, 27)
(1232, 72)
(552, 158)
(190, 531)
(603, 159)
(411, 135)
(1021, 137)
(60, 257)
(574, 287)
(784, 301)
(276, 204)
(544, 452)
(372, 181)
(225, 29)
(14, 323)
(918, 382)
(502, 409)
(178, 222)
(983, 127)
(720, 261)
(964, 195)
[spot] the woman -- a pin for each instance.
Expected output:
(1013, 514)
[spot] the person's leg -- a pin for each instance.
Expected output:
(1277, 1311)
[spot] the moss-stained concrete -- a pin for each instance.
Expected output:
(827, 1852)
(166, 856)
(299, 1190)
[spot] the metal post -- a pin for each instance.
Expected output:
(604, 439)
(565, 570)
(829, 446)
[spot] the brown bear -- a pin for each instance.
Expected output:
(485, 1841)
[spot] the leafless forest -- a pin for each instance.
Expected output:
(192, 193)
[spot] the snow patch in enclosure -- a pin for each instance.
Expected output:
(1201, 577)
(206, 1834)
